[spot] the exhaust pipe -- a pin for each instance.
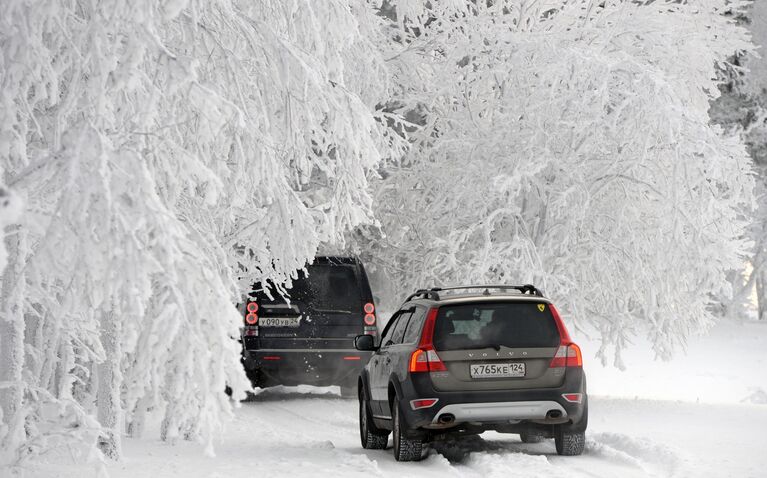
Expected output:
(553, 414)
(446, 418)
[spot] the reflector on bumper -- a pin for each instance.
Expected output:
(573, 397)
(423, 403)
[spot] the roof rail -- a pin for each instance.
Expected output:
(433, 293)
(425, 293)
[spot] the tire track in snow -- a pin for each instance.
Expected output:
(652, 458)
(331, 422)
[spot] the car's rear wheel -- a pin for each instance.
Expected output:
(372, 437)
(531, 436)
(348, 392)
(405, 448)
(568, 442)
(257, 379)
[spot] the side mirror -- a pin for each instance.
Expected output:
(364, 343)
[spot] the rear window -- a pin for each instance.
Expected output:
(506, 324)
(327, 287)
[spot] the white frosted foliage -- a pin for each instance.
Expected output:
(170, 153)
(568, 144)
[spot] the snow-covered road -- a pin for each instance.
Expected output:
(302, 431)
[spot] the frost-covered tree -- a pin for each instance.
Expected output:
(568, 144)
(165, 151)
(742, 109)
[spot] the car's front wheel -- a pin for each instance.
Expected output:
(371, 436)
(405, 448)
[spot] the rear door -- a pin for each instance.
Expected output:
(380, 363)
(325, 309)
(496, 346)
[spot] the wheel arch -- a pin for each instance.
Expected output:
(394, 389)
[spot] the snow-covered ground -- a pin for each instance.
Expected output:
(701, 415)
(288, 432)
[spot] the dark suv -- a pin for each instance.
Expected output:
(490, 358)
(309, 338)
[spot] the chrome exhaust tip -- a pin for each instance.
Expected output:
(553, 414)
(446, 418)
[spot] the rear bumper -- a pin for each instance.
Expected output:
(497, 407)
(319, 367)
(499, 411)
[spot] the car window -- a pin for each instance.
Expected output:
(507, 324)
(389, 329)
(328, 287)
(413, 330)
(399, 330)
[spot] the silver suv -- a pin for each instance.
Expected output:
(463, 360)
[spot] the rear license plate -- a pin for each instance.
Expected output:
(279, 321)
(497, 370)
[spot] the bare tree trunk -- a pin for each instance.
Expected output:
(138, 418)
(761, 291)
(108, 395)
(11, 346)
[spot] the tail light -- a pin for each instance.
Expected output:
(568, 355)
(251, 318)
(564, 337)
(426, 360)
(370, 319)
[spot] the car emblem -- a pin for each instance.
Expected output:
(541, 307)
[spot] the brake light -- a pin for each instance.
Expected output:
(251, 319)
(352, 357)
(423, 403)
(427, 336)
(567, 356)
(370, 317)
(426, 360)
(564, 337)
(272, 357)
(252, 307)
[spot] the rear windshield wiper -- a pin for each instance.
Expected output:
(495, 347)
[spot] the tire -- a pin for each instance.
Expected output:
(371, 437)
(568, 442)
(348, 392)
(405, 448)
(531, 437)
(256, 378)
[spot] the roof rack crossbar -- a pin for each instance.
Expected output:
(525, 289)
(425, 293)
(433, 293)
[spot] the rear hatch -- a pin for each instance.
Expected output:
(496, 346)
(324, 307)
